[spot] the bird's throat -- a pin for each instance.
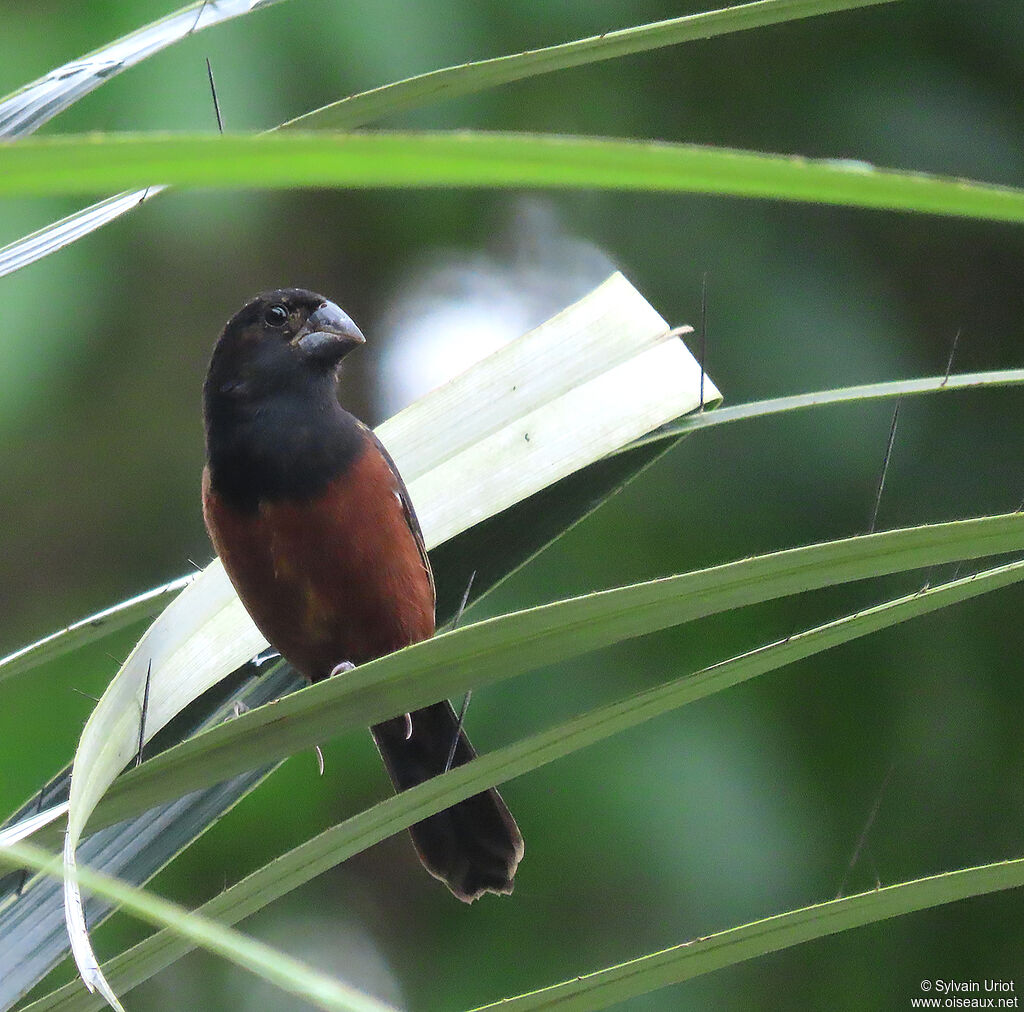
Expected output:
(283, 447)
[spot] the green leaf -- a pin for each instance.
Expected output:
(104, 161)
(470, 78)
(396, 813)
(503, 647)
(497, 547)
(85, 630)
(726, 948)
(360, 109)
(28, 108)
(841, 395)
(279, 969)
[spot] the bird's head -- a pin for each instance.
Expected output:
(282, 341)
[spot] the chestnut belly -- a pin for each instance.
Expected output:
(337, 577)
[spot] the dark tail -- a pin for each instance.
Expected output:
(473, 847)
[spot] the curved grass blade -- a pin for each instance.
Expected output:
(541, 518)
(85, 630)
(727, 948)
(503, 647)
(842, 395)
(367, 828)
(274, 966)
(470, 78)
(393, 160)
(30, 822)
(33, 935)
(28, 108)
(51, 238)
(360, 109)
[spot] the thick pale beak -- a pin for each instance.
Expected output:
(328, 335)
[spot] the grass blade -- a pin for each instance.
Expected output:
(390, 160)
(470, 78)
(279, 969)
(726, 948)
(28, 108)
(360, 109)
(503, 647)
(396, 813)
(51, 238)
(841, 395)
(85, 630)
(486, 542)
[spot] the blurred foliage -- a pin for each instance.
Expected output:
(748, 804)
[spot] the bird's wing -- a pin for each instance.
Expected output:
(410, 513)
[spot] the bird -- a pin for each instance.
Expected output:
(317, 533)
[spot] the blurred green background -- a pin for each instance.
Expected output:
(742, 806)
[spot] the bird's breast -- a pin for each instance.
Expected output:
(334, 577)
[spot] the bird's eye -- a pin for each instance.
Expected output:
(275, 316)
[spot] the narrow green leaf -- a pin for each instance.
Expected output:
(461, 80)
(398, 812)
(276, 967)
(85, 630)
(469, 78)
(28, 108)
(512, 644)
(33, 934)
(98, 162)
(841, 395)
(726, 948)
(456, 555)
(77, 225)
